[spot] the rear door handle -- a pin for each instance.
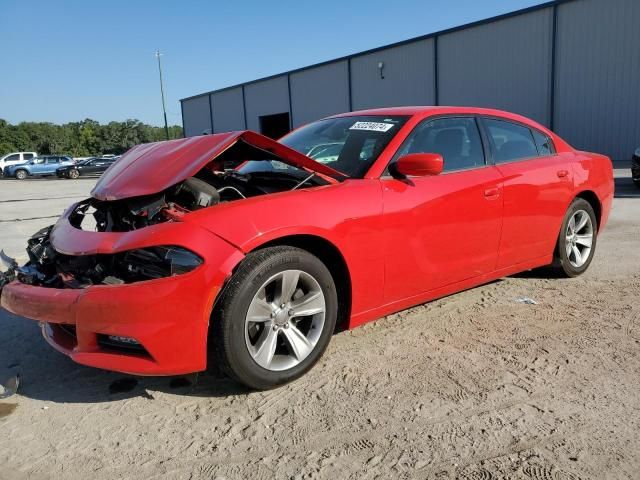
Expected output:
(563, 173)
(492, 192)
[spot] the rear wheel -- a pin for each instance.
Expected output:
(275, 318)
(577, 240)
(21, 174)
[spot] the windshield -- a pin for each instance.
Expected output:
(349, 145)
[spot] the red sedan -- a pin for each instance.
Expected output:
(236, 250)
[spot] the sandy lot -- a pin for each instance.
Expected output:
(472, 386)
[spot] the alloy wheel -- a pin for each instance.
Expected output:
(579, 238)
(285, 320)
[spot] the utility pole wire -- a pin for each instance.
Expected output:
(164, 110)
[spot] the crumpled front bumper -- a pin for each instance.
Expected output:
(169, 317)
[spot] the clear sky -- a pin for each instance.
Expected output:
(68, 60)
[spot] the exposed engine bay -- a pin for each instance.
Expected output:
(204, 190)
(49, 268)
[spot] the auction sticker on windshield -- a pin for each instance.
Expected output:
(372, 126)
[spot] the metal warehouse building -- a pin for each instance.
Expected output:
(573, 65)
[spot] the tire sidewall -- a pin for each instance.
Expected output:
(239, 359)
(21, 174)
(73, 174)
(561, 252)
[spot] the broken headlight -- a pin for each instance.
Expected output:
(158, 262)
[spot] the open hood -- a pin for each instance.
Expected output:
(152, 167)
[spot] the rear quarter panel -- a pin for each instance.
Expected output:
(594, 172)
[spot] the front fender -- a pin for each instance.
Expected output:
(348, 215)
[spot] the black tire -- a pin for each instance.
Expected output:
(21, 174)
(561, 263)
(73, 174)
(227, 336)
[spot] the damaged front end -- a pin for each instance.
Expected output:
(48, 268)
(157, 184)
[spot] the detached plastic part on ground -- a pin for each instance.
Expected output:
(9, 387)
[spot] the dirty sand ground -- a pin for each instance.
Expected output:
(473, 386)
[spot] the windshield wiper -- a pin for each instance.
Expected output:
(313, 174)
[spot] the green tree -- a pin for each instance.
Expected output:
(80, 139)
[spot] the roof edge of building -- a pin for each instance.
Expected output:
(476, 23)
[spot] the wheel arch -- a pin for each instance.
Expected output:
(591, 197)
(332, 257)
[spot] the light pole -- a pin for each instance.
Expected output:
(164, 110)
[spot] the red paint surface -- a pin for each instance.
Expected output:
(404, 242)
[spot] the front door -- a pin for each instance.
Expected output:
(446, 228)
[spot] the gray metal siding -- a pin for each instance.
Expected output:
(408, 77)
(598, 76)
(319, 92)
(504, 64)
(197, 117)
(228, 110)
(266, 98)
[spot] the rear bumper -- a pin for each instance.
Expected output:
(168, 317)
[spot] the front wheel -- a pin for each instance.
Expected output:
(275, 317)
(577, 240)
(73, 174)
(21, 174)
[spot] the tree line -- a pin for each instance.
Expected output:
(79, 139)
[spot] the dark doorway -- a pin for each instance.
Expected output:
(274, 126)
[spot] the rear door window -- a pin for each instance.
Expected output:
(28, 156)
(510, 141)
(544, 143)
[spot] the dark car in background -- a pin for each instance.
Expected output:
(90, 166)
(635, 167)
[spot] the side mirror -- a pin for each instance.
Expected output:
(417, 165)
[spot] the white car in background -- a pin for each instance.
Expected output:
(15, 158)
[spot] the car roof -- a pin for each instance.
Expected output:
(427, 111)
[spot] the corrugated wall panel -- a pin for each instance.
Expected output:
(504, 64)
(408, 77)
(265, 98)
(228, 110)
(598, 76)
(319, 92)
(196, 116)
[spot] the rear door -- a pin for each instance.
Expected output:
(537, 188)
(446, 228)
(51, 164)
(101, 164)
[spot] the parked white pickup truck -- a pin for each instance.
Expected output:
(14, 158)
